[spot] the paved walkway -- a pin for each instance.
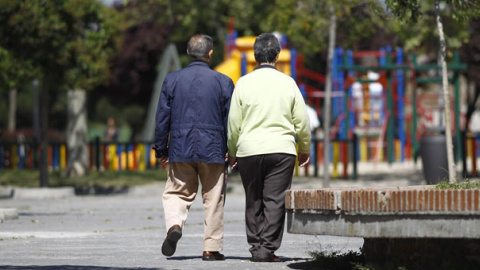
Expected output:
(126, 232)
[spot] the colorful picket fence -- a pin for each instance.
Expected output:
(343, 157)
(102, 156)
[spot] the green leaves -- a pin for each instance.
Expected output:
(14, 71)
(416, 22)
(405, 9)
(305, 22)
(71, 38)
(412, 10)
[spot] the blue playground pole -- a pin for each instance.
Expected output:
(353, 120)
(337, 84)
(334, 79)
(401, 113)
(55, 156)
(336, 102)
(147, 155)
(119, 154)
(244, 64)
(20, 157)
(383, 57)
(283, 41)
(293, 64)
(341, 99)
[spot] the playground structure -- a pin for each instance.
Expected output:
(367, 125)
(240, 59)
(375, 102)
(379, 119)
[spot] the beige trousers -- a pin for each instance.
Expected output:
(181, 189)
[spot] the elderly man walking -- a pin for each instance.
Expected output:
(267, 113)
(191, 135)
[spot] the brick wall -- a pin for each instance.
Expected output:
(382, 200)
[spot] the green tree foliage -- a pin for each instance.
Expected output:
(416, 19)
(412, 10)
(306, 22)
(190, 17)
(145, 34)
(151, 24)
(408, 10)
(13, 71)
(71, 40)
(212, 17)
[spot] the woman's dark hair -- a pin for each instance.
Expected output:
(198, 47)
(266, 48)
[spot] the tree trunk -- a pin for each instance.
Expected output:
(43, 133)
(12, 110)
(36, 114)
(328, 95)
(77, 134)
(446, 97)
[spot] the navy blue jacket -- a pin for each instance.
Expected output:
(192, 113)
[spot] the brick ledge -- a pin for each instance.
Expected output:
(422, 200)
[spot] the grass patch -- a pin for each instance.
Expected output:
(31, 178)
(337, 260)
(467, 184)
(352, 260)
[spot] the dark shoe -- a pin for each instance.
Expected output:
(269, 258)
(170, 244)
(212, 256)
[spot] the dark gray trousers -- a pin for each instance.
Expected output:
(265, 179)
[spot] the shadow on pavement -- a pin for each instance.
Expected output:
(43, 214)
(283, 259)
(303, 266)
(181, 258)
(71, 267)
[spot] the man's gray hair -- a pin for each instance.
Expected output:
(266, 48)
(198, 47)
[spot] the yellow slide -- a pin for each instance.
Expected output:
(232, 66)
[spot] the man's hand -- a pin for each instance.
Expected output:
(163, 160)
(303, 159)
(233, 162)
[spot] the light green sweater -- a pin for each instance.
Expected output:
(267, 112)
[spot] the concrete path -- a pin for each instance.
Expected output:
(126, 232)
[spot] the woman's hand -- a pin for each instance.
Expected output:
(303, 159)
